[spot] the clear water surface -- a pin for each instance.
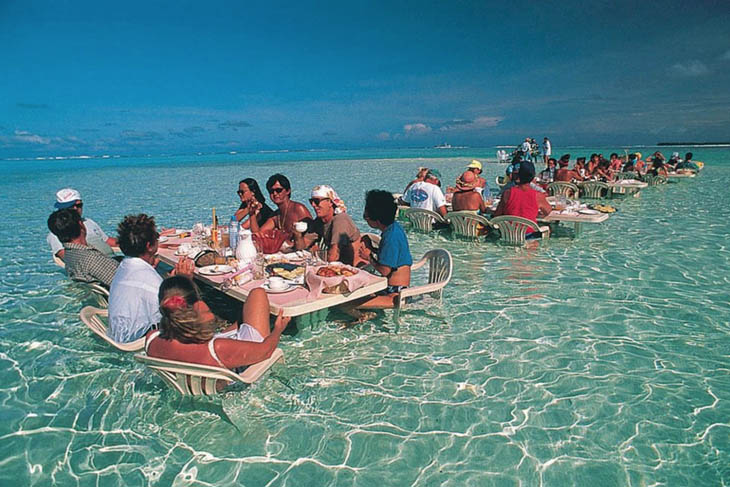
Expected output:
(601, 360)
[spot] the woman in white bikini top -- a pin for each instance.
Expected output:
(190, 332)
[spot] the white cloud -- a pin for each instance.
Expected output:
(487, 121)
(726, 56)
(27, 137)
(477, 123)
(384, 136)
(416, 128)
(691, 68)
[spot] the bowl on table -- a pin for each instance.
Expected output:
(270, 241)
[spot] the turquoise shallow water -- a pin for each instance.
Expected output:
(599, 360)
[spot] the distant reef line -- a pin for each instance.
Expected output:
(693, 143)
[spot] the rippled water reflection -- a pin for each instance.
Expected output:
(598, 360)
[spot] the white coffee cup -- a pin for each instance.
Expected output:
(184, 248)
(277, 283)
(300, 227)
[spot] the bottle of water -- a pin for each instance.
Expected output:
(233, 232)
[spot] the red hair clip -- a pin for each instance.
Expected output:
(174, 302)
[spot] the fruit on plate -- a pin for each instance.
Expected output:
(336, 270)
(604, 208)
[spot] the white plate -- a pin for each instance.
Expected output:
(216, 270)
(588, 211)
(289, 287)
(162, 239)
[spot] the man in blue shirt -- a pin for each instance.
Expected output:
(392, 258)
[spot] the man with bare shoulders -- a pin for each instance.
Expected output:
(288, 213)
(565, 174)
(466, 197)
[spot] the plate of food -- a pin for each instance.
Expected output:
(286, 270)
(336, 270)
(588, 211)
(216, 270)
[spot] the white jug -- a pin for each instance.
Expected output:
(245, 251)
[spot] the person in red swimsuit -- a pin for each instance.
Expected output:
(522, 200)
(190, 332)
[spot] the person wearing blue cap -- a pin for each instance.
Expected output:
(95, 236)
(427, 194)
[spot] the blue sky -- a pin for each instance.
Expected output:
(83, 77)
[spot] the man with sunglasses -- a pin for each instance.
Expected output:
(427, 194)
(95, 236)
(288, 213)
(333, 229)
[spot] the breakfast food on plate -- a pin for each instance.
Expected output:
(336, 270)
(285, 270)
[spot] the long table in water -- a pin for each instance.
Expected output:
(296, 302)
(627, 186)
(680, 175)
(577, 218)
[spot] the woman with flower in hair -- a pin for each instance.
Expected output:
(190, 332)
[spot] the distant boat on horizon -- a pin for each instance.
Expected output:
(449, 146)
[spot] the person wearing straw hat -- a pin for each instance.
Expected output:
(466, 197)
(480, 184)
(95, 236)
(332, 229)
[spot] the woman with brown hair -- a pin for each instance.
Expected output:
(190, 332)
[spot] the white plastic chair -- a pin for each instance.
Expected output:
(94, 318)
(100, 293)
(467, 223)
(513, 229)
(197, 380)
(422, 219)
(563, 187)
(59, 262)
(440, 267)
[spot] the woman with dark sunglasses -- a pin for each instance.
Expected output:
(252, 203)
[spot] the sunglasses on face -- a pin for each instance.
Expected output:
(317, 202)
(241, 192)
(276, 190)
(78, 205)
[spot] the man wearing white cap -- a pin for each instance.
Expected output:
(95, 236)
(333, 228)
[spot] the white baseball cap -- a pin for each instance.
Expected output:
(66, 197)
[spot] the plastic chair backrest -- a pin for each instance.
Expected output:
(563, 188)
(467, 223)
(92, 318)
(197, 380)
(652, 180)
(513, 229)
(440, 270)
(422, 219)
(594, 189)
(100, 293)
